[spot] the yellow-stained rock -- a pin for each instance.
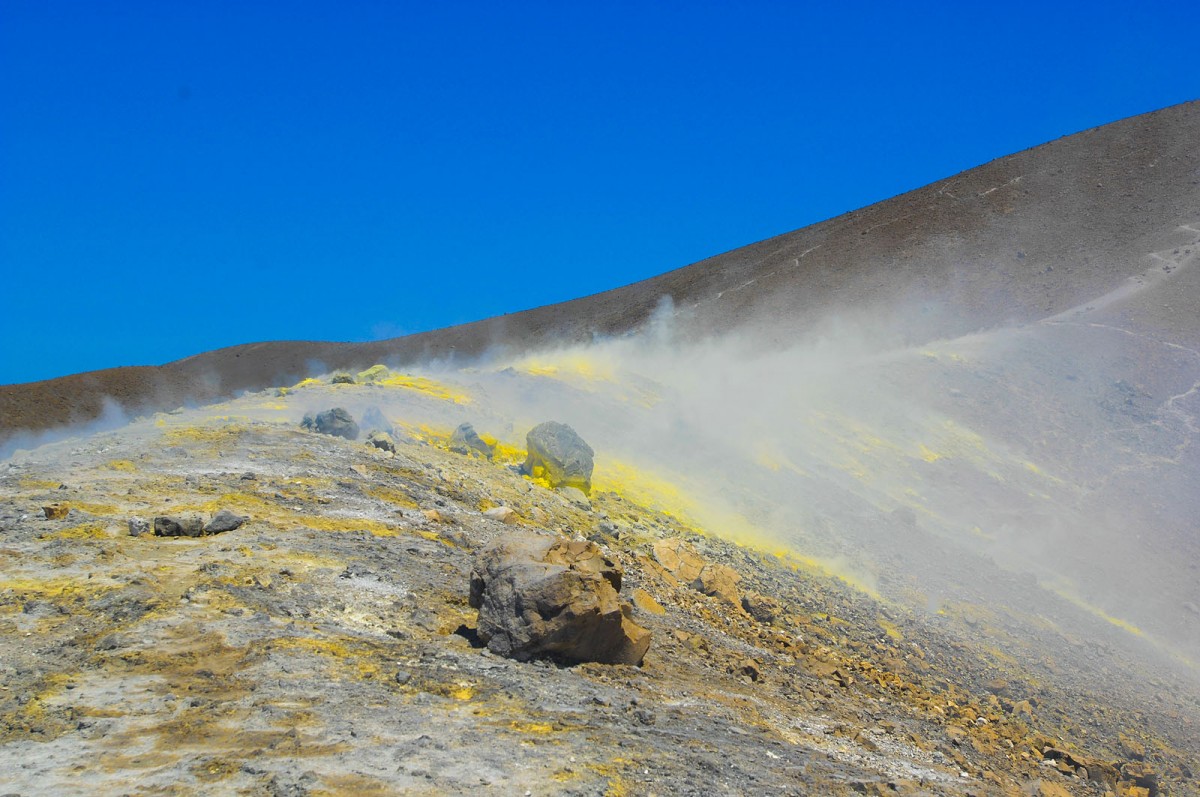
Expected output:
(56, 511)
(645, 601)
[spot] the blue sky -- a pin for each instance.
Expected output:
(177, 177)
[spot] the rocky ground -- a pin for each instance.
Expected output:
(326, 646)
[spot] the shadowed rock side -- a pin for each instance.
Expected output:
(1022, 238)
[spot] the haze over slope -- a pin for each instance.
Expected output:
(1003, 364)
(1021, 238)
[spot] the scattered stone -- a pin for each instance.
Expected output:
(433, 516)
(138, 526)
(224, 520)
(56, 511)
(748, 668)
(249, 476)
(504, 514)
(1131, 748)
(539, 596)
(1048, 789)
(761, 608)
(165, 526)
(465, 440)
(361, 470)
(342, 379)
(681, 561)
(644, 716)
(337, 422)
(383, 441)
(403, 677)
(560, 456)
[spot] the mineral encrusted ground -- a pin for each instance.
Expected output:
(326, 647)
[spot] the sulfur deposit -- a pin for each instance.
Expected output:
(419, 621)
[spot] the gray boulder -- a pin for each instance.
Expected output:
(167, 526)
(337, 422)
(546, 597)
(465, 440)
(559, 455)
(224, 520)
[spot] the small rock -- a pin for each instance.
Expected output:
(749, 669)
(224, 520)
(403, 677)
(761, 608)
(1131, 748)
(56, 511)
(382, 441)
(165, 526)
(138, 526)
(433, 516)
(504, 514)
(342, 379)
(465, 440)
(249, 476)
(559, 455)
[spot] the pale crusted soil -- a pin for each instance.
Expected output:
(325, 646)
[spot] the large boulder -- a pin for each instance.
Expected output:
(337, 422)
(558, 455)
(466, 440)
(545, 597)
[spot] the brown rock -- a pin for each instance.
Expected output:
(538, 596)
(504, 514)
(761, 607)
(56, 511)
(1131, 748)
(680, 559)
(720, 582)
(645, 601)
(1048, 789)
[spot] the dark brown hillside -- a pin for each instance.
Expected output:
(1022, 238)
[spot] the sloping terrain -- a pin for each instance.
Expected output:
(948, 442)
(325, 647)
(1022, 238)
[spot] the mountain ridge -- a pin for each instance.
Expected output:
(985, 235)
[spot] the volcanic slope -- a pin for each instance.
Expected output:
(1020, 239)
(325, 647)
